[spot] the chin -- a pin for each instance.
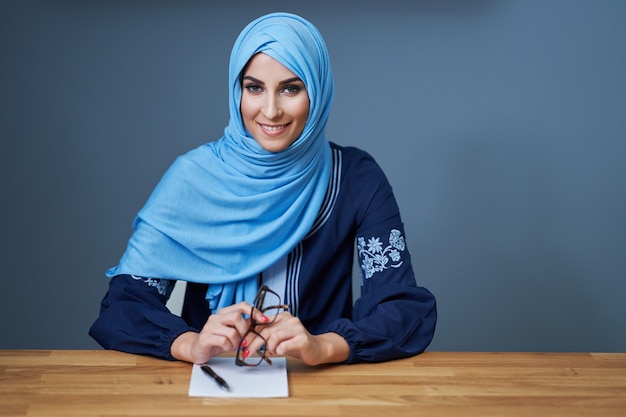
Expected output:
(275, 145)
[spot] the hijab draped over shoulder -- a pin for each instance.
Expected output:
(229, 209)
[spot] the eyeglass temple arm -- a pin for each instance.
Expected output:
(278, 307)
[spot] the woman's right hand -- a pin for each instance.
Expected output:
(221, 333)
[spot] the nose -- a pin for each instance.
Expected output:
(271, 108)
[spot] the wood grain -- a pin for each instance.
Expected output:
(108, 383)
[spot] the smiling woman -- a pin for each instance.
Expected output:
(274, 103)
(272, 203)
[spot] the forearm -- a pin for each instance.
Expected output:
(334, 348)
(181, 348)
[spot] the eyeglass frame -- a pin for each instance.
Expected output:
(258, 304)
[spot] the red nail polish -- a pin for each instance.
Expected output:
(245, 353)
(244, 343)
(265, 318)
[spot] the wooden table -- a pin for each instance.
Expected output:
(106, 383)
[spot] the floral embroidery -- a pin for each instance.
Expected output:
(163, 286)
(375, 258)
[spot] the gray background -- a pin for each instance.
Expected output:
(501, 125)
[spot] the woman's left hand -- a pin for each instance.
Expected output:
(287, 336)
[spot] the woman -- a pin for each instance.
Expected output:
(274, 203)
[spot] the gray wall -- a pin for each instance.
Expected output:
(501, 125)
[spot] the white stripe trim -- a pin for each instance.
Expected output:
(331, 193)
(293, 279)
(294, 260)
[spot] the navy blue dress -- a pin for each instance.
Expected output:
(393, 318)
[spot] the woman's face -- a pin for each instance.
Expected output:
(274, 103)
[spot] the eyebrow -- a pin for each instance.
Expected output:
(283, 82)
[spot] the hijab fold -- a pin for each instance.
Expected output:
(229, 209)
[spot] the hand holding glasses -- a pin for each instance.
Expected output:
(269, 304)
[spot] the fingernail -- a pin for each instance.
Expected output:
(244, 343)
(245, 353)
(265, 318)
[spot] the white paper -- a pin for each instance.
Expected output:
(263, 381)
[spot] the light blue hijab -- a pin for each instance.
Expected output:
(229, 209)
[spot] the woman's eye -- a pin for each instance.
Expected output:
(292, 89)
(253, 88)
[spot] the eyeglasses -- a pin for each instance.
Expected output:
(267, 302)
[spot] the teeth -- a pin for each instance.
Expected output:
(273, 128)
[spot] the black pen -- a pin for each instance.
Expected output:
(218, 379)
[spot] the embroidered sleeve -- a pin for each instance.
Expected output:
(163, 286)
(376, 255)
(134, 318)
